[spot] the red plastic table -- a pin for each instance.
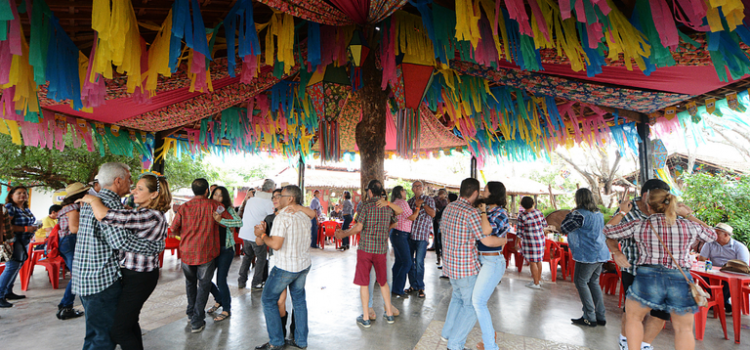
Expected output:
(735, 282)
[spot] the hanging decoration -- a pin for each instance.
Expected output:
(329, 91)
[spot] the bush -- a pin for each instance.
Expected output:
(720, 198)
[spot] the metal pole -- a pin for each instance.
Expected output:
(301, 175)
(158, 165)
(645, 151)
(473, 167)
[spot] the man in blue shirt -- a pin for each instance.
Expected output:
(315, 205)
(725, 248)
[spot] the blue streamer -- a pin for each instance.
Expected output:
(62, 67)
(248, 44)
(313, 45)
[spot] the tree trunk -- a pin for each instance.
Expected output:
(370, 132)
(552, 200)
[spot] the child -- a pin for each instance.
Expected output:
(530, 228)
(47, 224)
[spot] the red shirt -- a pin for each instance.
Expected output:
(199, 232)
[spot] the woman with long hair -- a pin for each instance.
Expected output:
(68, 219)
(221, 293)
(494, 200)
(22, 223)
(584, 227)
(152, 197)
(347, 210)
(658, 283)
(400, 242)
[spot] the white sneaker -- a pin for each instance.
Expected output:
(647, 347)
(623, 344)
(533, 286)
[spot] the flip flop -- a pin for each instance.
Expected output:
(214, 308)
(421, 294)
(222, 316)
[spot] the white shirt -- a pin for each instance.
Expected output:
(256, 209)
(294, 254)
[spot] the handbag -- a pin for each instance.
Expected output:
(699, 295)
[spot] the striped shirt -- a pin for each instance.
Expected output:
(461, 228)
(147, 224)
(96, 265)
(404, 224)
(421, 228)
(64, 220)
(294, 254)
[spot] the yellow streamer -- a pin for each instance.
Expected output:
(15, 134)
(158, 55)
(412, 39)
(624, 38)
(119, 41)
(22, 77)
(467, 22)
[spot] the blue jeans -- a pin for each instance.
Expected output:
(461, 317)
(278, 281)
(418, 249)
(67, 250)
(587, 283)
(197, 287)
(314, 233)
(8, 278)
(403, 263)
(345, 226)
(493, 269)
(100, 316)
(221, 293)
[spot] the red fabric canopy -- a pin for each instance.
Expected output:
(357, 10)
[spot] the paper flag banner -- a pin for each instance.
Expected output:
(710, 105)
(732, 101)
(81, 124)
(692, 109)
(670, 112)
(115, 130)
(100, 128)
(659, 155)
(61, 121)
(132, 135)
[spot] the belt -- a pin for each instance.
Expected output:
(489, 253)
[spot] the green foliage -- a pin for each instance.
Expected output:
(721, 198)
(607, 212)
(405, 184)
(181, 171)
(33, 166)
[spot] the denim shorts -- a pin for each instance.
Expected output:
(661, 288)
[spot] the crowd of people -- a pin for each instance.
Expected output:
(114, 253)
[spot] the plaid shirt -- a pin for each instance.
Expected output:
(572, 222)
(627, 245)
(462, 228)
(404, 224)
(294, 254)
(199, 232)
(531, 224)
(64, 220)
(96, 266)
(422, 226)
(678, 238)
(148, 224)
(21, 217)
(376, 222)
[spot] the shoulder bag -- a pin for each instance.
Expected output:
(699, 295)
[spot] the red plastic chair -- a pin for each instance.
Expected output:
(53, 267)
(555, 256)
(328, 230)
(716, 301)
(608, 280)
(2, 267)
(745, 299)
(172, 244)
(238, 243)
(510, 250)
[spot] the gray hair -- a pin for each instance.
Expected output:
(108, 172)
(268, 185)
(295, 192)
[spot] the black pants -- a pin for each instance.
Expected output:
(437, 240)
(136, 288)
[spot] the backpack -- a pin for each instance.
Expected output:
(53, 243)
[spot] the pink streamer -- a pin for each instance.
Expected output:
(567, 109)
(30, 133)
(565, 10)
(93, 94)
(6, 59)
(664, 23)
(249, 69)
(388, 55)
(198, 67)
(541, 23)
(141, 96)
(14, 34)
(517, 11)
(9, 110)
(695, 11)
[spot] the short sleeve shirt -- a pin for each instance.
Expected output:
(461, 227)
(64, 219)
(720, 254)
(421, 228)
(404, 224)
(376, 222)
(21, 217)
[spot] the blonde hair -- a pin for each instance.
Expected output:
(163, 200)
(663, 202)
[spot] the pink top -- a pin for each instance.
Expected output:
(403, 224)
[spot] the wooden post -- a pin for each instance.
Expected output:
(370, 132)
(645, 151)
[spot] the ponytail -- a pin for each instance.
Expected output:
(671, 210)
(662, 201)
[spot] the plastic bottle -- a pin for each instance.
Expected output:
(709, 265)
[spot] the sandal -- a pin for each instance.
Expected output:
(214, 308)
(421, 294)
(410, 290)
(222, 316)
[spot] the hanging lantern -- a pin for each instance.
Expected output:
(416, 76)
(358, 49)
(329, 91)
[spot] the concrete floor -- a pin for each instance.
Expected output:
(538, 319)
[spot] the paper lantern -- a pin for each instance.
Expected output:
(659, 154)
(358, 48)
(417, 78)
(329, 90)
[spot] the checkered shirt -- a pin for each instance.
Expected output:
(572, 222)
(461, 228)
(422, 226)
(531, 224)
(96, 265)
(627, 245)
(376, 222)
(404, 224)
(678, 238)
(147, 224)
(199, 232)
(294, 254)
(64, 220)
(21, 217)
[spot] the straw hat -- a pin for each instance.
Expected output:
(75, 188)
(724, 227)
